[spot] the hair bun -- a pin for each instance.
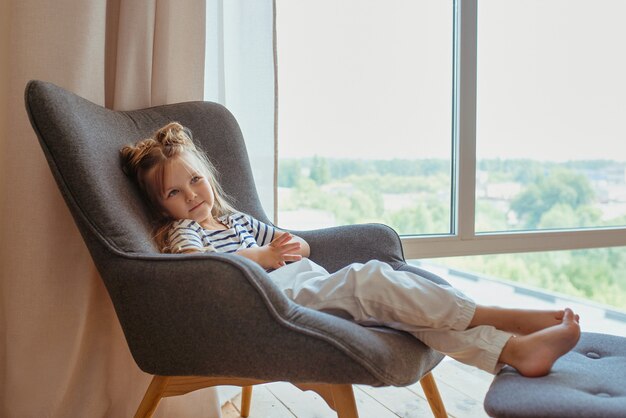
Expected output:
(132, 155)
(173, 134)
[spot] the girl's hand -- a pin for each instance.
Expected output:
(284, 247)
(279, 251)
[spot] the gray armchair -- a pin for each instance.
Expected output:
(201, 320)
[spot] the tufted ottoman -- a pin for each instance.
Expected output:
(589, 381)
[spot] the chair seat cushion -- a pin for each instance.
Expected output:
(589, 381)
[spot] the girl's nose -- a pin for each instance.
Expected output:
(190, 195)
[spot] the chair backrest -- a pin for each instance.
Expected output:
(81, 141)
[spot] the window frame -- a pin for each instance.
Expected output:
(463, 239)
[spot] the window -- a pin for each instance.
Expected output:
(505, 116)
(550, 107)
(365, 104)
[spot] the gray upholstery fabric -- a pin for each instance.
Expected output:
(589, 381)
(209, 314)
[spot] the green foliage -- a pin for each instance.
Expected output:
(395, 184)
(289, 172)
(308, 195)
(348, 204)
(489, 217)
(553, 196)
(339, 169)
(595, 274)
(562, 187)
(422, 218)
(399, 167)
(562, 215)
(320, 172)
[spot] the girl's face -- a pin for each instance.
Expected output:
(186, 192)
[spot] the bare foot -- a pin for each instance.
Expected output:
(534, 354)
(516, 321)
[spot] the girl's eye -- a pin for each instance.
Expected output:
(172, 193)
(195, 179)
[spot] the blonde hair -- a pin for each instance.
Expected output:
(169, 142)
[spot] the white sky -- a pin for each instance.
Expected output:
(372, 79)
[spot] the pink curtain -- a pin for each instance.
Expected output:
(62, 352)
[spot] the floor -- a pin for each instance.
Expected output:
(462, 388)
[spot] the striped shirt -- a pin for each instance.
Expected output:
(242, 231)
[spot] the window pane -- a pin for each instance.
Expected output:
(365, 116)
(551, 147)
(590, 281)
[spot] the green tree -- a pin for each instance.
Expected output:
(289, 172)
(565, 187)
(595, 274)
(363, 207)
(562, 216)
(422, 218)
(320, 172)
(341, 168)
(489, 217)
(308, 195)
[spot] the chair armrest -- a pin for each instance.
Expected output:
(220, 315)
(336, 247)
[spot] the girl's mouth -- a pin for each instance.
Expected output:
(196, 207)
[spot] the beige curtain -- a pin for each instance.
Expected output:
(62, 352)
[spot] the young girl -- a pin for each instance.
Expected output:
(180, 185)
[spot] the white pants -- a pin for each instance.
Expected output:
(375, 294)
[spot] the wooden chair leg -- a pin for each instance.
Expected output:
(246, 400)
(432, 395)
(345, 404)
(338, 397)
(152, 397)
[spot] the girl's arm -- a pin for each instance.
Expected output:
(269, 256)
(283, 248)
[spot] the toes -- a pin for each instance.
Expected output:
(568, 315)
